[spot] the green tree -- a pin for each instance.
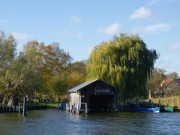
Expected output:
(124, 62)
(59, 85)
(19, 80)
(7, 51)
(153, 82)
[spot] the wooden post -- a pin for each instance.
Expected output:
(159, 103)
(67, 107)
(85, 108)
(142, 100)
(24, 107)
(149, 94)
(122, 106)
(77, 109)
(152, 104)
(70, 107)
(19, 107)
(73, 107)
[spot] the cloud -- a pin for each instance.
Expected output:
(79, 35)
(174, 47)
(3, 20)
(110, 30)
(75, 19)
(152, 2)
(151, 29)
(142, 13)
(68, 34)
(21, 36)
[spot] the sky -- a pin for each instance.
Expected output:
(79, 25)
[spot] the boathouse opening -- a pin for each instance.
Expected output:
(95, 95)
(101, 102)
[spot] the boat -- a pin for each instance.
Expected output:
(167, 109)
(144, 109)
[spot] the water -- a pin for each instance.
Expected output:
(56, 122)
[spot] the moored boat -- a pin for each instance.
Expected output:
(167, 109)
(144, 109)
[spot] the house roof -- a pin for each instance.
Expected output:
(83, 85)
(165, 82)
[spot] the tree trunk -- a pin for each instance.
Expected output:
(13, 101)
(5, 99)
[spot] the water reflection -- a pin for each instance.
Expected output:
(57, 122)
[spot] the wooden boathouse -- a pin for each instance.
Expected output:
(95, 95)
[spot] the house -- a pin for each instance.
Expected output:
(167, 82)
(95, 95)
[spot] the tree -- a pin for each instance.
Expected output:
(75, 78)
(20, 79)
(51, 59)
(59, 85)
(124, 62)
(172, 75)
(153, 82)
(7, 51)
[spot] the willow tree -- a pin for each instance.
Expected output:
(124, 62)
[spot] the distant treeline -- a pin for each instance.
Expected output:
(47, 70)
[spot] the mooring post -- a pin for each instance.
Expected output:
(77, 109)
(159, 103)
(19, 107)
(85, 108)
(70, 107)
(152, 104)
(73, 107)
(64, 106)
(122, 106)
(67, 107)
(24, 107)
(142, 100)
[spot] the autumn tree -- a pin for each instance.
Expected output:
(51, 59)
(124, 62)
(153, 82)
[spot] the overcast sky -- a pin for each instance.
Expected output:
(79, 25)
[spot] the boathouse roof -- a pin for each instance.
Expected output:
(85, 84)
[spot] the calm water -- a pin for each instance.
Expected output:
(56, 122)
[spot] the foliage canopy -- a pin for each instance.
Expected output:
(124, 62)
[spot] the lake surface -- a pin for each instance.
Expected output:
(57, 122)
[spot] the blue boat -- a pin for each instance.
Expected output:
(144, 109)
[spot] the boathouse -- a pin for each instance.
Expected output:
(95, 95)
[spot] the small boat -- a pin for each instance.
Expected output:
(144, 109)
(167, 109)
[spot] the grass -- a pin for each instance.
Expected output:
(49, 104)
(170, 101)
(167, 101)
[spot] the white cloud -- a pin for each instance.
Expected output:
(68, 34)
(110, 30)
(174, 47)
(142, 13)
(151, 29)
(21, 36)
(152, 2)
(3, 20)
(79, 35)
(76, 19)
